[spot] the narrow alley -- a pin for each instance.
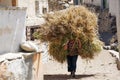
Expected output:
(103, 67)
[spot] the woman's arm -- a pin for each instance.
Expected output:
(65, 45)
(79, 44)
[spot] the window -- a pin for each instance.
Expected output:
(13, 2)
(37, 7)
(44, 10)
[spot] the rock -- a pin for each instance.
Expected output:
(14, 66)
(114, 53)
(29, 46)
(107, 47)
(114, 46)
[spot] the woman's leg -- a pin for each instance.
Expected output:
(69, 63)
(74, 61)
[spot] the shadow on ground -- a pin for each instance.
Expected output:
(66, 77)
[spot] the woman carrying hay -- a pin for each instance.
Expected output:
(73, 46)
(74, 26)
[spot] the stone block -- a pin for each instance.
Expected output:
(21, 66)
(118, 64)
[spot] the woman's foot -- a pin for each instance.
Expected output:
(73, 74)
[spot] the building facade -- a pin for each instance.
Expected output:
(34, 8)
(102, 3)
(34, 11)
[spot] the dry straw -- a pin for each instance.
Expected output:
(74, 22)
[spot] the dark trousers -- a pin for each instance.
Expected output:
(71, 61)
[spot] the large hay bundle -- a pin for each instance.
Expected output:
(74, 22)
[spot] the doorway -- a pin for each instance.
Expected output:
(104, 4)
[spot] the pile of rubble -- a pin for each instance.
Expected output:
(106, 23)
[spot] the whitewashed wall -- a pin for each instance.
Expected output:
(30, 5)
(40, 5)
(31, 18)
(43, 4)
(12, 29)
(6, 2)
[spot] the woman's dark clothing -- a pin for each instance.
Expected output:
(71, 61)
(72, 55)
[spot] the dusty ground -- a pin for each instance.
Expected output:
(103, 67)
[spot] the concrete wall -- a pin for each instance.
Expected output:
(12, 29)
(113, 7)
(118, 21)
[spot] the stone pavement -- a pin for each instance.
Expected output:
(103, 67)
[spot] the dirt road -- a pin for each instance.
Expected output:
(103, 67)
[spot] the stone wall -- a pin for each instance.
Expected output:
(12, 29)
(21, 66)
